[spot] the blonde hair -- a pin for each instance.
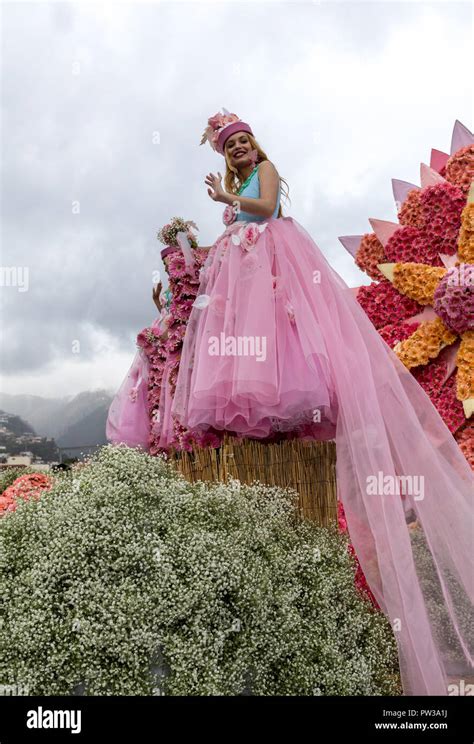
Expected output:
(233, 181)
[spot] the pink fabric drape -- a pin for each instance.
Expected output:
(415, 548)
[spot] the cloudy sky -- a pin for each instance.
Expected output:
(103, 106)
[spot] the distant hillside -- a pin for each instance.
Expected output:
(42, 413)
(89, 430)
(16, 436)
(74, 421)
(15, 424)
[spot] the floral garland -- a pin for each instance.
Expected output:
(164, 353)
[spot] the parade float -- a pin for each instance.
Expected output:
(420, 299)
(212, 564)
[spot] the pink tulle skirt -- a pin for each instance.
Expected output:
(128, 419)
(263, 364)
(277, 340)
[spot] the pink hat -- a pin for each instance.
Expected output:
(220, 127)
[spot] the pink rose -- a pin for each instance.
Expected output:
(249, 236)
(229, 215)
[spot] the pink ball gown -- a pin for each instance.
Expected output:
(277, 341)
(128, 420)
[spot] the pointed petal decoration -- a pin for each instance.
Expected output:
(400, 190)
(426, 314)
(470, 194)
(468, 406)
(448, 261)
(351, 243)
(438, 160)
(387, 270)
(461, 137)
(384, 229)
(448, 356)
(429, 177)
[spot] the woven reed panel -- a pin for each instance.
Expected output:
(308, 467)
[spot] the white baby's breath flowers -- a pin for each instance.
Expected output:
(137, 582)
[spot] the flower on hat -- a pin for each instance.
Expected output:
(215, 124)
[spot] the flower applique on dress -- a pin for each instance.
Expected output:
(248, 235)
(230, 214)
(201, 301)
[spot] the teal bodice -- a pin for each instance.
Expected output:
(251, 189)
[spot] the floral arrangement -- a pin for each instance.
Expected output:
(384, 305)
(145, 584)
(465, 439)
(407, 264)
(454, 298)
(441, 206)
(394, 333)
(9, 476)
(424, 344)
(369, 254)
(416, 280)
(466, 235)
(168, 233)
(28, 486)
(428, 261)
(410, 244)
(410, 212)
(460, 168)
(184, 285)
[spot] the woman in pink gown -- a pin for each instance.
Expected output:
(277, 342)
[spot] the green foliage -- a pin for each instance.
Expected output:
(126, 579)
